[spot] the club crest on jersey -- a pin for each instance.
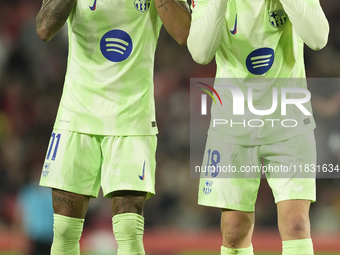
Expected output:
(46, 169)
(207, 187)
(142, 5)
(277, 18)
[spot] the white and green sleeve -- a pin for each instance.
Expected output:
(309, 21)
(206, 29)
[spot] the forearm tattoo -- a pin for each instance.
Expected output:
(53, 14)
(45, 2)
(163, 4)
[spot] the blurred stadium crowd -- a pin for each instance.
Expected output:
(31, 81)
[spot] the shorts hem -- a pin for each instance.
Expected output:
(69, 189)
(312, 199)
(101, 132)
(227, 206)
(150, 193)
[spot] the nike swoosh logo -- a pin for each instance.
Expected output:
(193, 3)
(235, 27)
(94, 5)
(142, 176)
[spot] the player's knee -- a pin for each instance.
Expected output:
(297, 225)
(66, 227)
(128, 229)
(235, 230)
(67, 233)
(128, 202)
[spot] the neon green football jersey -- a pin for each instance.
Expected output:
(259, 50)
(108, 87)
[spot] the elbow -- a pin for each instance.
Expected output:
(318, 44)
(197, 54)
(200, 59)
(181, 37)
(321, 41)
(43, 34)
(182, 40)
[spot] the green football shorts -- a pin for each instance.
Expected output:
(230, 174)
(82, 163)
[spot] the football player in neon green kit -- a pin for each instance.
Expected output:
(258, 39)
(105, 131)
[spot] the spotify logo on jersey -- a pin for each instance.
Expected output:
(260, 61)
(116, 45)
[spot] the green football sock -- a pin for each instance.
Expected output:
(238, 251)
(297, 247)
(67, 232)
(128, 229)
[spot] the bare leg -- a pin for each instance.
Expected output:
(128, 222)
(69, 213)
(237, 228)
(69, 204)
(293, 219)
(126, 201)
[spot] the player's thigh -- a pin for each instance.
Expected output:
(128, 201)
(292, 163)
(229, 184)
(73, 163)
(70, 204)
(129, 164)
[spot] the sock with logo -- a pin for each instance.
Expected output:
(238, 251)
(297, 247)
(67, 233)
(128, 229)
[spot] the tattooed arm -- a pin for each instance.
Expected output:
(51, 17)
(176, 18)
